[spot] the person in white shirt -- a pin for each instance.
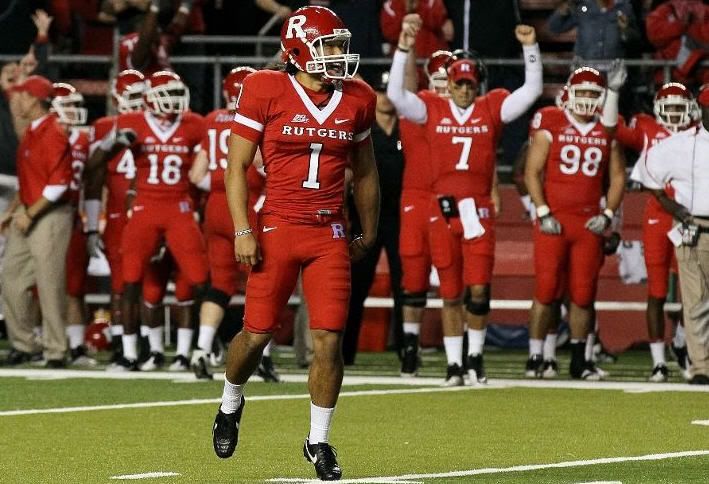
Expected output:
(683, 162)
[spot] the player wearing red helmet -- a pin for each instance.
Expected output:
(67, 105)
(464, 129)
(311, 122)
(208, 174)
(118, 173)
(569, 158)
(675, 110)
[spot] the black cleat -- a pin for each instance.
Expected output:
(267, 371)
(454, 376)
(535, 367)
(17, 357)
(551, 369)
(476, 369)
(55, 364)
(123, 364)
(200, 365)
(699, 379)
(659, 374)
(323, 457)
(225, 432)
(410, 355)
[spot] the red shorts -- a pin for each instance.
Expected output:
(154, 221)
(112, 234)
(321, 252)
(461, 262)
(414, 248)
(155, 282)
(219, 235)
(77, 261)
(658, 250)
(576, 254)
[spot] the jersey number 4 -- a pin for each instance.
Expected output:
(313, 167)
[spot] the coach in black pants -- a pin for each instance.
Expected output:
(390, 163)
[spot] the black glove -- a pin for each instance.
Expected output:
(611, 243)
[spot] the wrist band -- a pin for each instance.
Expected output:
(543, 211)
(400, 49)
(239, 233)
(608, 213)
(130, 191)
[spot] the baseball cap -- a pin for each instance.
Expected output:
(463, 69)
(703, 98)
(38, 86)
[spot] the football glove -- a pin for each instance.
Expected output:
(617, 75)
(94, 244)
(611, 243)
(549, 225)
(598, 224)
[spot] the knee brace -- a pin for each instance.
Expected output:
(414, 299)
(217, 297)
(131, 291)
(479, 305)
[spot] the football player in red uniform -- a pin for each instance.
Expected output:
(310, 122)
(569, 158)
(208, 174)
(67, 105)
(675, 111)
(117, 172)
(416, 193)
(464, 129)
(163, 140)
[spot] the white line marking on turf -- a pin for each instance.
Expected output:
(701, 422)
(629, 387)
(522, 468)
(176, 403)
(146, 475)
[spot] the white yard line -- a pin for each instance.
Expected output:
(501, 470)
(146, 475)
(701, 422)
(630, 387)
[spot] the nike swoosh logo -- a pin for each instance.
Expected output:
(433, 219)
(177, 140)
(475, 120)
(268, 229)
(653, 221)
(138, 208)
(340, 121)
(408, 208)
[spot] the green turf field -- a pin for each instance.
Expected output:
(384, 430)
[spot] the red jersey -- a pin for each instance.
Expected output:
(305, 148)
(158, 58)
(120, 169)
(464, 143)
(577, 162)
(163, 153)
(43, 160)
(79, 142)
(417, 156)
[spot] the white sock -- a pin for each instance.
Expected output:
(205, 340)
(116, 330)
(590, 342)
(144, 330)
(267, 349)
(75, 333)
(184, 341)
(679, 340)
(231, 397)
(155, 337)
(535, 346)
(657, 350)
(476, 341)
(454, 349)
(412, 328)
(320, 419)
(130, 346)
(550, 346)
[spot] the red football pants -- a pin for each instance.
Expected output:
(659, 252)
(112, 235)
(414, 247)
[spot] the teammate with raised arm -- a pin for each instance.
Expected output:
(310, 122)
(674, 111)
(569, 158)
(463, 131)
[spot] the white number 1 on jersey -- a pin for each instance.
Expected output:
(467, 143)
(313, 167)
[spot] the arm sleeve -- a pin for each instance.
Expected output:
(662, 26)
(517, 103)
(250, 116)
(408, 104)
(365, 120)
(41, 52)
(656, 168)
(435, 15)
(630, 136)
(558, 24)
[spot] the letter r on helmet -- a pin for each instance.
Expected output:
(295, 28)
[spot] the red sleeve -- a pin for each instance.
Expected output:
(495, 98)
(390, 18)
(433, 16)
(366, 115)
(58, 156)
(250, 116)
(631, 135)
(663, 26)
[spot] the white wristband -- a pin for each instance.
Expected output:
(543, 211)
(608, 213)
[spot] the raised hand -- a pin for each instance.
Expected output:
(410, 27)
(617, 75)
(526, 35)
